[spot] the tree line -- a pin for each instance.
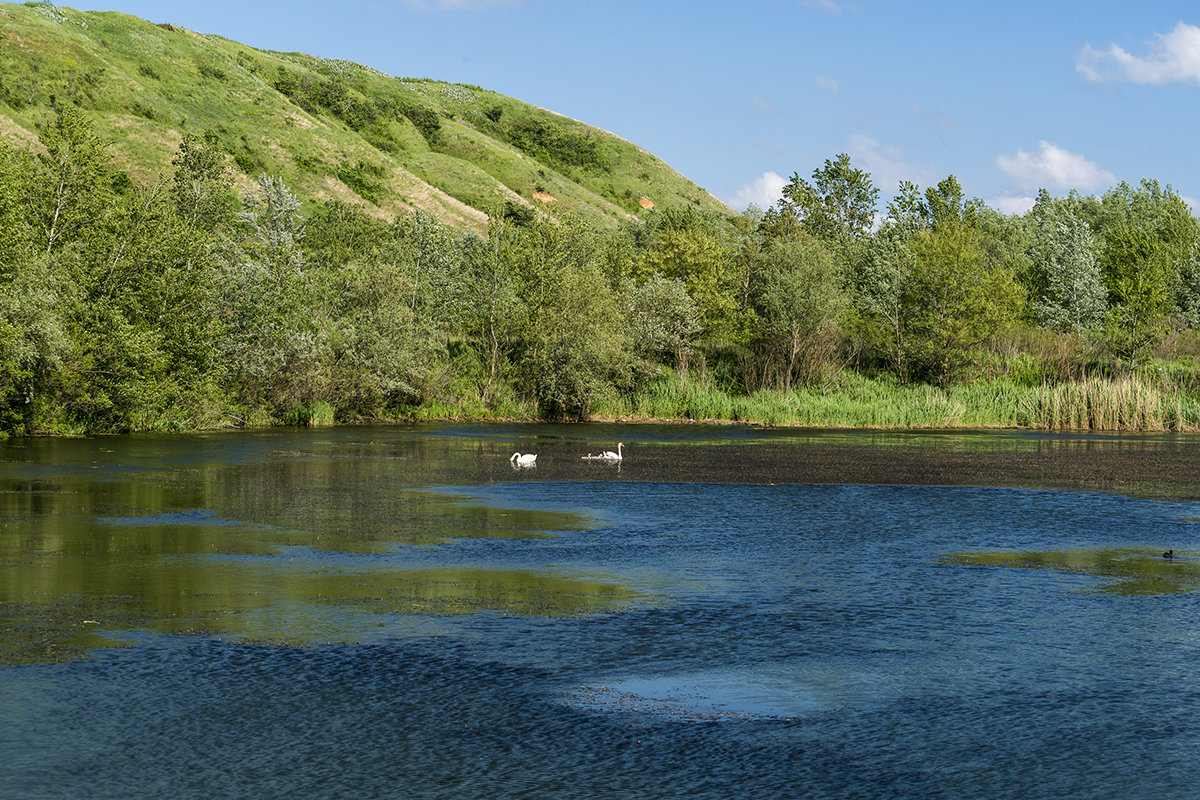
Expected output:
(190, 303)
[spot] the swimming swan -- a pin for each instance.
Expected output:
(609, 455)
(527, 460)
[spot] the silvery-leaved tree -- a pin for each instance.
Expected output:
(1067, 278)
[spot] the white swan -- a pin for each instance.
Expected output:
(609, 455)
(527, 460)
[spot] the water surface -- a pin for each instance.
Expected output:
(728, 612)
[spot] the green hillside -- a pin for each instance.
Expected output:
(333, 130)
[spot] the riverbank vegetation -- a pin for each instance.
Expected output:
(190, 302)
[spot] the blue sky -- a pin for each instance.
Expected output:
(740, 94)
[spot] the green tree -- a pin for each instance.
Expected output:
(579, 350)
(16, 233)
(955, 301)
(34, 343)
(1161, 214)
(879, 281)
(271, 218)
(693, 249)
(839, 205)
(200, 186)
(947, 204)
(661, 319)
(1067, 282)
(493, 314)
(796, 292)
(72, 183)
(275, 345)
(1138, 270)
(380, 353)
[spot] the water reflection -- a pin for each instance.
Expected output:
(726, 612)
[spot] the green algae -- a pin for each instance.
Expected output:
(1122, 570)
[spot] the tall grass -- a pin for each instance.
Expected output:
(854, 401)
(1120, 404)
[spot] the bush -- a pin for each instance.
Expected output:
(555, 142)
(365, 179)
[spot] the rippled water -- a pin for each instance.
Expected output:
(729, 612)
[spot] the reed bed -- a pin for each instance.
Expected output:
(1134, 403)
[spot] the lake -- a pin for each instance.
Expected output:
(728, 612)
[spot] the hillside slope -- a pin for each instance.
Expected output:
(332, 129)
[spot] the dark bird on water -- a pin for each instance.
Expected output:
(1169, 554)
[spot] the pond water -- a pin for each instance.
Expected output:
(399, 612)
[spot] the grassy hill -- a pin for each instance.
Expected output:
(332, 129)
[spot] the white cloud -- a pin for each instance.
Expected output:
(1054, 168)
(764, 191)
(887, 165)
(1172, 57)
(827, 83)
(1010, 204)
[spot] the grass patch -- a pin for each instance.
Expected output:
(470, 143)
(1128, 571)
(856, 401)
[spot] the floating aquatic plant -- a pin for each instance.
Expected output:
(1127, 570)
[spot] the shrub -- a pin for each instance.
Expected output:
(212, 71)
(365, 179)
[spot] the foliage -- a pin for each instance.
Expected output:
(137, 291)
(147, 87)
(796, 293)
(560, 143)
(954, 303)
(838, 205)
(662, 320)
(1138, 271)
(1067, 281)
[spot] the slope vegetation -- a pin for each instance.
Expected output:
(331, 129)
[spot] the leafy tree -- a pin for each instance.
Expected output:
(1161, 214)
(200, 186)
(34, 342)
(72, 183)
(1138, 271)
(880, 283)
(946, 204)
(16, 234)
(955, 301)
(688, 246)
(839, 205)
(880, 280)
(431, 254)
(796, 292)
(1189, 292)
(274, 348)
(662, 319)
(1067, 282)
(381, 354)
(492, 312)
(271, 218)
(578, 352)
(340, 233)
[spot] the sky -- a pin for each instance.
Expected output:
(740, 95)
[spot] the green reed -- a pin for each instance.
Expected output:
(1152, 402)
